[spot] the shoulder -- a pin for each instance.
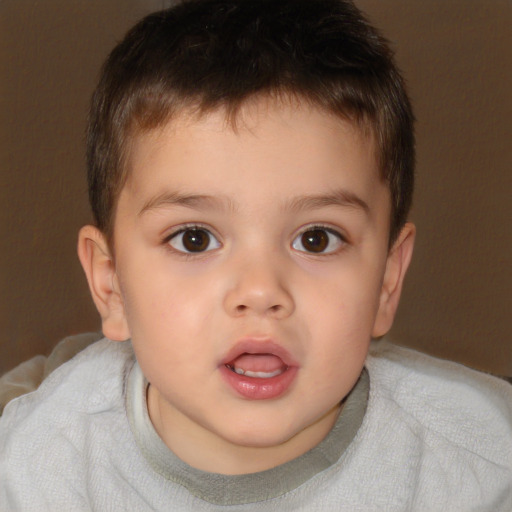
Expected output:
(412, 377)
(442, 430)
(448, 403)
(49, 435)
(93, 378)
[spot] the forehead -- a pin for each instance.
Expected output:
(270, 146)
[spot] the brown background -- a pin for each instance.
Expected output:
(457, 57)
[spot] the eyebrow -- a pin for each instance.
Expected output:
(339, 197)
(193, 201)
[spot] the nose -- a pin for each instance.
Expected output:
(258, 288)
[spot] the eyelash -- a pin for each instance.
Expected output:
(340, 240)
(190, 227)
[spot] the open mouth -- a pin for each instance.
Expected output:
(259, 366)
(259, 370)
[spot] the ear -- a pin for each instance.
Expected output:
(397, 264)
(98, 264)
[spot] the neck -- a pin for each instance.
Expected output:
(210, 452)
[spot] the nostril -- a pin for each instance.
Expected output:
(242, 308)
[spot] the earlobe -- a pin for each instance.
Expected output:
(98, 264)
(397, 263)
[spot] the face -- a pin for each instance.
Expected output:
(250, 266)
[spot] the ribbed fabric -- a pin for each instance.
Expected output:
(435, 437)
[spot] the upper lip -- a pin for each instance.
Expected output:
(258, 346)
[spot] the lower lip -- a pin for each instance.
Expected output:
(254, 388)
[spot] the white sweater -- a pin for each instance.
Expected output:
(430, 436)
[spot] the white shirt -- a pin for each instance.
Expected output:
(430, 436)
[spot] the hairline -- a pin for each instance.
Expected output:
(197, 109)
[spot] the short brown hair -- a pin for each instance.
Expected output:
(207, 54)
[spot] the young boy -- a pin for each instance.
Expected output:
(250, 171)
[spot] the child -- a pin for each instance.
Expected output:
(250, 171)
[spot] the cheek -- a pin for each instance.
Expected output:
(151, 289)
(159, 311)
(341, 327)
(167, 310)
(166, 333)
(347, 297)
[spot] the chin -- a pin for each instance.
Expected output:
(259, 434)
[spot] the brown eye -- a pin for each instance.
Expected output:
(318, 240)
(194, 240)
(315, 240)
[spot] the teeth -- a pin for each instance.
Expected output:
(258, 375)
(263, 375)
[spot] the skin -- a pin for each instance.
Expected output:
(287, 168)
